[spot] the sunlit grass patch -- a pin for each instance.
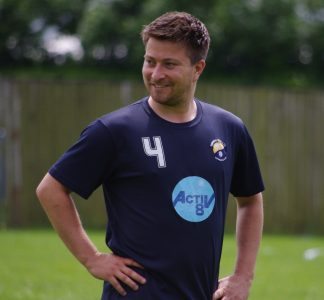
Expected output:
(35, 265)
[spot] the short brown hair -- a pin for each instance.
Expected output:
(180, 27)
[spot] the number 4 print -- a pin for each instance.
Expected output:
(156, 150)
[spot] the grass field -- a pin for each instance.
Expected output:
(34, 265)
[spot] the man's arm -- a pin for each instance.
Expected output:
(249, 227)
(62, 213)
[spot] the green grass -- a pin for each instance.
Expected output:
(283, 272)
(34, 265)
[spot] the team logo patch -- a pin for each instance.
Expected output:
(193, 198)
(219, 149)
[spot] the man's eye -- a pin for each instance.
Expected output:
(149, 61)
(170, 64)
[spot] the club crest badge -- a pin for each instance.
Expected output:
(219, 149)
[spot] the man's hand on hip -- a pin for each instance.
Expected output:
(115, 270)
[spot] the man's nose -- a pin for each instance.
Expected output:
(157, 73)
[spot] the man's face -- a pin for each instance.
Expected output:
(168, 74)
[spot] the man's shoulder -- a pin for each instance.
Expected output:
(214, 111)
(127, 114)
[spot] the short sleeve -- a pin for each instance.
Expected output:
(83, 167)
(247, 179)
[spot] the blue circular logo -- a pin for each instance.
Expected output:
(193, 198)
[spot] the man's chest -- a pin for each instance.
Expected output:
(197, 151)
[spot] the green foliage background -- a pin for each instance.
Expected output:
(253, 40)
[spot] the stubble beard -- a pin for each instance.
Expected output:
(165, 96)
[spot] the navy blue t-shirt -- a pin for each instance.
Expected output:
(166, 187)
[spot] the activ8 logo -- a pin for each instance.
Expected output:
(193, 198)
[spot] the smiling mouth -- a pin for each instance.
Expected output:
(159, 86)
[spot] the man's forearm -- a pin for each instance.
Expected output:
(63, 215)
(248, 234)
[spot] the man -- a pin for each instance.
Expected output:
(166, 164)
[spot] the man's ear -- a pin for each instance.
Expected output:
(198, 68)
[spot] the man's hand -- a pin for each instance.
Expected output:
(115, 270)
(233, 288)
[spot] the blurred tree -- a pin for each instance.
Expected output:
(109, 30)
(310, 34)
(13, 32)
(248, 37)
(253, 34)
(25, 23)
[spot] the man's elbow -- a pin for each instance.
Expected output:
(41, 190)
(47, 187)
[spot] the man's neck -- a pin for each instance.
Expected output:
(175, 114)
